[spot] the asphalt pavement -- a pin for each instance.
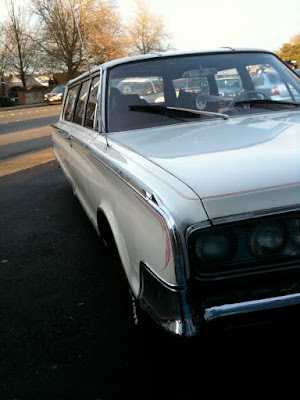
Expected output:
(66, 324)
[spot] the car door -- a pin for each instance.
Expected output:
(83, 132)
(61, 133)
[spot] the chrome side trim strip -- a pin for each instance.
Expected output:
(251, 306)
(97, 123)
(174, 235)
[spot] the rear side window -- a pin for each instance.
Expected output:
(80, 106)
(91, 105)
(70, 103)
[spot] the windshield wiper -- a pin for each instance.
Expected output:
(254, 102)
(157, 109)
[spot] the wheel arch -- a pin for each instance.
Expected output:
(105, 229)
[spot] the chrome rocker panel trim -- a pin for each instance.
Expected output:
(251, 306)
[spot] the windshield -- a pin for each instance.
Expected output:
(58, 89)
(210, 83)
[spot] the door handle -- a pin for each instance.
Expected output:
(68, 137)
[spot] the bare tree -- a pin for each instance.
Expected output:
(19, 52)
(3, 60)
(99, 25)
(58, 35)
(3, 70)
(147, 31)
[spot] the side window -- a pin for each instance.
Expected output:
(70, 102)
(80, 106)
(91, 105)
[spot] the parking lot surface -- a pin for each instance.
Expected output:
(66, 324)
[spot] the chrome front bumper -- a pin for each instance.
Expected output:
(251, 306)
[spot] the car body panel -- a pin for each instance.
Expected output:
(106, 174)
(228, 158)
(161, 187)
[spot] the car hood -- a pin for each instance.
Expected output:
(236, 166)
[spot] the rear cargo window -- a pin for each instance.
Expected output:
(80, 106)
(70, 103)
(91, 105)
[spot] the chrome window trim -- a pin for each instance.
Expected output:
(86, 102)
(103, 102)
(98, 117)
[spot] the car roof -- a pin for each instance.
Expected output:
(153, 55)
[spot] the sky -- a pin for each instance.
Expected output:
(205, 24)
(208, 24)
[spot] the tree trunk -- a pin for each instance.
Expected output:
(23, 79)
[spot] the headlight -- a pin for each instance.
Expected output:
(251, 245)
(267, 239)
(214, 248)
(293, 246)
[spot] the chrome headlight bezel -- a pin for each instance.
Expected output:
(254, 245)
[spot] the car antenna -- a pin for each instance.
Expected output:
(80, 37)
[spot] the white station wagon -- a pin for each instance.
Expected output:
(200, 193)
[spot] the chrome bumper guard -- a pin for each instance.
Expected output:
(251, 306)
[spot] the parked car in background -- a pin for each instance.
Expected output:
(229, 86)
(56, 95)
(147, 88)
(199, 194)
(272, 84)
